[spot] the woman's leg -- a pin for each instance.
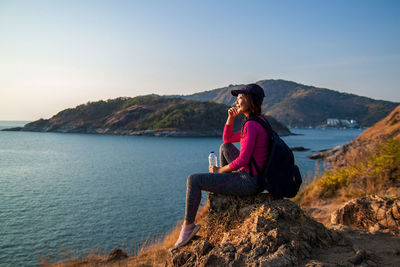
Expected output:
(227, 153)
(234, 183)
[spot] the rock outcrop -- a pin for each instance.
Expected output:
(260, 231)
(330, 154)
(299, 148)
(117, 255)
(370, 213)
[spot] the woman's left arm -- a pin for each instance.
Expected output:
(247, 143)
(215, 169)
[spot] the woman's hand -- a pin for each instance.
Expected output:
(233, 112)
(213, 169)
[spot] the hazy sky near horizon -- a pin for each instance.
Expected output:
(59, 54)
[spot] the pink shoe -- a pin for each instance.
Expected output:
(187, 233)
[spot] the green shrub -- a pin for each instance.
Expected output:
(386, 161)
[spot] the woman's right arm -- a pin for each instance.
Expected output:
(228, 136)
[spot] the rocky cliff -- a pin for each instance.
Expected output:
(256, 231)
(260, 231)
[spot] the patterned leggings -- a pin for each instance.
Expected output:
(234, 183)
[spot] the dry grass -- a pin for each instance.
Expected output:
(152, 252)
(155, 251)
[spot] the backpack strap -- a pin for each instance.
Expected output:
(253, 162)
(259, 179)
(267, 126)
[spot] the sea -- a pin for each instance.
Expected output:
(65, 195)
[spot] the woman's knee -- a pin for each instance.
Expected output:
(192, 179)
(225, 146)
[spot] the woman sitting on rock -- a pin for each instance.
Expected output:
(234, 176)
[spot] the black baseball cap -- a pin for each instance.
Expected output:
(252, 89)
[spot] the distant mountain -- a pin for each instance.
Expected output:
(143, 115)
(299, 105)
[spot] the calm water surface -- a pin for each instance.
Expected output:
(76, 192)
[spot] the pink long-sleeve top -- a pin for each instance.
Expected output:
(254, 142)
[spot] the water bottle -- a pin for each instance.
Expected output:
(212, 159)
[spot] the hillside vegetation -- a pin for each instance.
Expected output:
(143, 115)
(300, 105)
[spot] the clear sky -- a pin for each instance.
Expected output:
(58, 54)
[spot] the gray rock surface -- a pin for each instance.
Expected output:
(330, 154)
(299, 148)
(117, 254)
(372, 213)
(267, 233)
(220, 203)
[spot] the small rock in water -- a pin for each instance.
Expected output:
(299, 148)
(117, 254)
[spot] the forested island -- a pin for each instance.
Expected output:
(150, 115)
